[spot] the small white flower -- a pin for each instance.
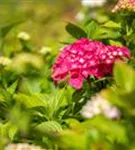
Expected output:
(22, 146)
(23, 36)
(93, 3)
(44, 50)
(80, 16)
(98, 105)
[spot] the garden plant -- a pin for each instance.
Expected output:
(78, 94)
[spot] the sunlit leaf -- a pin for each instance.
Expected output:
(124, 77)
(92, 30)
(49, 126)
(30, 101)
(12, 87)
(117, 132)
(4, 29)
(112, 24)
(12, 132)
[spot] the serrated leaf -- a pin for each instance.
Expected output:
(75, 31)
(12, 87)
(112, 24)
(117, 43)
(31, 101)
(49, 126)
(4, 128)
(105, 33)
(4, 96)
(30, 86)
(92, 30)
(12, 132)
(56, 101)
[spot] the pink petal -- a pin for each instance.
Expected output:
(76, 82)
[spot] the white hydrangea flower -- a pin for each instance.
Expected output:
(93, 3)
(98, 105)
(23, 36)
(44, 50)
(5, 61)
(22, 146)
(80, 16)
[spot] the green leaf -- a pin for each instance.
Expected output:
(4, 29)
(75, 31)
(49, 126)
(111, 94)
(12, 87)
(105, 33)
(124, 77)
(4, 128)
(92, 30)
(31, 101)
(30, 86)
(56, 101)
(117, 43)
(114, 131)
(112, 24)
(8, 130)
(77, 95)
(72, 123)
(12, 131)
(4, 96)
(72, 140)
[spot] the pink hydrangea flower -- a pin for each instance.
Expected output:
(85, 57)
(125, 5)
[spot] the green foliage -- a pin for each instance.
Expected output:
(49, 127)
(12, 88)
(93, 30)
(5, 29)
(112, 24)
(121, 77)
(123, 93)
(75, 31)
(30, 101)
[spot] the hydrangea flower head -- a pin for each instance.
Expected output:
(85, 57)
(125, 5)
(98, 105)
(93, 3)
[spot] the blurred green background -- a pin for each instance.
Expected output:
(44, 20)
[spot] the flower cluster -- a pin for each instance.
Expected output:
(23, 36)
(22, 146)
(98, 105)
(125, 5)
(93, 3)
(85, 57)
